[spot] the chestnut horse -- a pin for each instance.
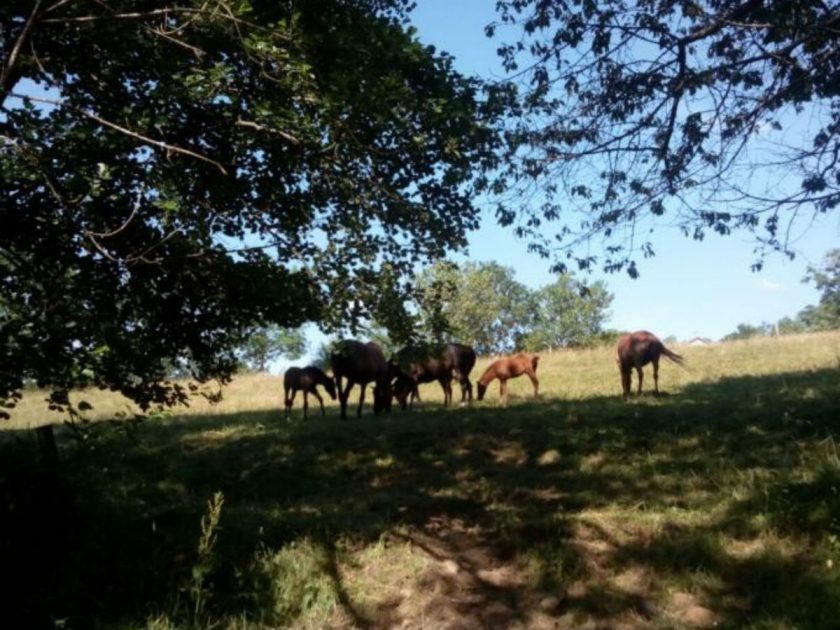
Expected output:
(361, 363)
(637, 350)
(510, 367)
(306, 379)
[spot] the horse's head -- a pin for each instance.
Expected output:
(382, 396)
(329, 385)
(480, 390)
(402, 389)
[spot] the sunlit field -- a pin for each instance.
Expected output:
(716, 504)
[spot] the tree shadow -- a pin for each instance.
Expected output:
(119, 541)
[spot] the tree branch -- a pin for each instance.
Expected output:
(128, 132)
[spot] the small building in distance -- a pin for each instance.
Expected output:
(699, 341)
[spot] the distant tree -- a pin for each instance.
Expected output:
(826, 314)
(480, 304)
(791, 325)
(670, 339)
(321, 358)
(712, 116)
(747, 331)
(265, 344)
(567, 313)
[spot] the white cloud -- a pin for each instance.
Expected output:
(769, 285)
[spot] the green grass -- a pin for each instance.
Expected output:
(717, 503)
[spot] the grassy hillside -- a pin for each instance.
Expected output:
(717, 504)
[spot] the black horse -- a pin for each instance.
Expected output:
(361, 363)
(427, 363)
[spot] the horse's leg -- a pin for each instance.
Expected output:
(655, 376)
(442, 382)
(447, 391)
(503, 391)
(363, 386)
(466, 390)
(626, 375)
(641, 378)
(344, 395)
(290, 402)
(534, 381)
(320, 400)
(305, 403)
(285, 400)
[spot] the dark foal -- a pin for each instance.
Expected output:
(361, 363)
(510, 367)
(637, 350)
(306, 379)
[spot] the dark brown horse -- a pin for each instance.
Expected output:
(306, 379)
(637, 350)
(361, 363)
(427, 363)
(510, 367)
(464, 359)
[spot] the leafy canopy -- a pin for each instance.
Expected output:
(173, 174)
(711, 116)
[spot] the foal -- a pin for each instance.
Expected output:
(307, 379)
(510, 367)
(637, 350)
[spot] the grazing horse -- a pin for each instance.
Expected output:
(637, 350)
(510, 367)
(413, 365)
(306, 379)
(361, 363)
(423, 364)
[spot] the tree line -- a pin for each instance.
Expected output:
(824, 315)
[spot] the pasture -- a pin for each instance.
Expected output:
(714, 505)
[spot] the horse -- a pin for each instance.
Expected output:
(510, 367)
(464, 358)
(417, 364)
(423, 364)
(637, 350)
(361, 363)
(306, 379)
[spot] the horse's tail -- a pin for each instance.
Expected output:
(535, 359)
(673, 356)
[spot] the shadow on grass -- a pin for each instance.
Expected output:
(115, 541)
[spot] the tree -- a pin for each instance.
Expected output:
(826, 314)
(169, 171)
(270, 342)
(712, 116)
(480, 304)
(568, 313)
(747, 331)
